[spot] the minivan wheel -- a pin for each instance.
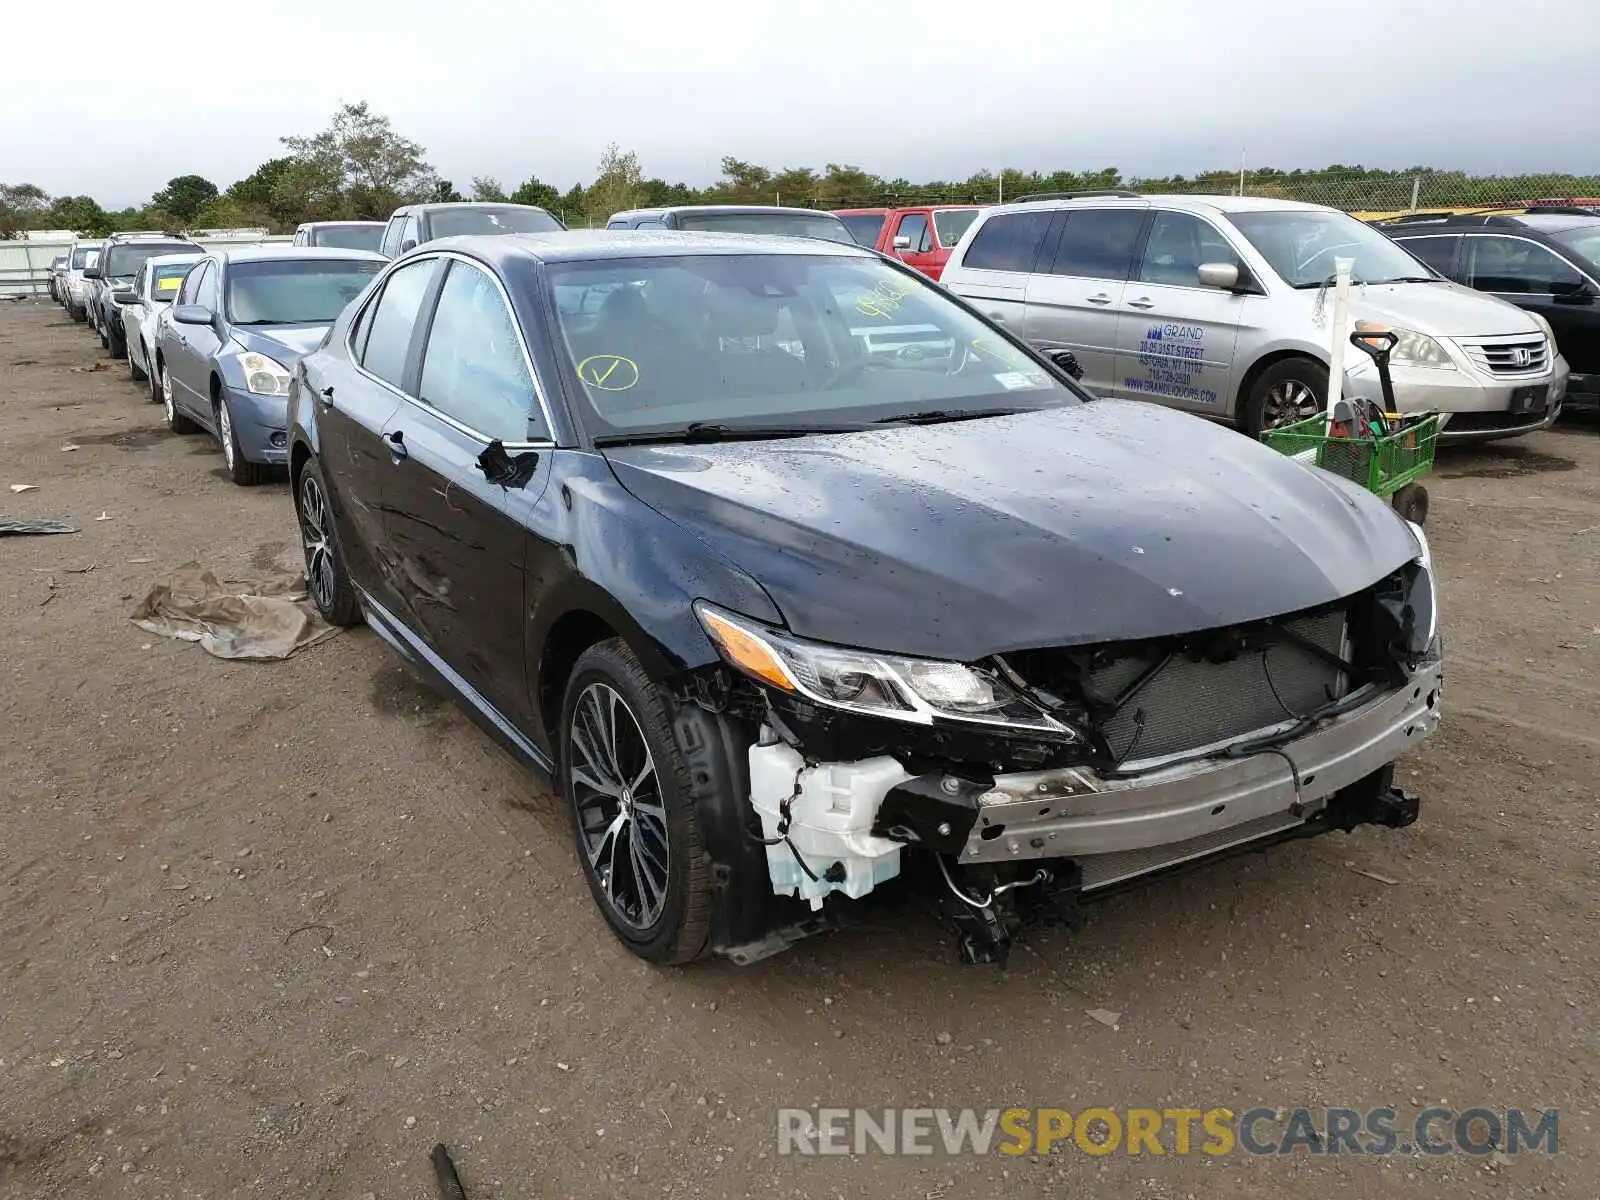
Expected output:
(326, 579)
(627, 788)
(1286, 392)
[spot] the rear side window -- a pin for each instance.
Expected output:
(951, 223)
(1098, 243)
(393, 319)
(1439, 252)
(1008, 242)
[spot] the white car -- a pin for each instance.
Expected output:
(144, 305)
(1221, 305)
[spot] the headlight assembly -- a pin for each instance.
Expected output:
(1424, 598)
(264, 376)
(1420, 350)
(918, 690)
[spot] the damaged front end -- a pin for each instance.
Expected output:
(1038, 779)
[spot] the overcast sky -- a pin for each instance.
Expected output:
(113, 99)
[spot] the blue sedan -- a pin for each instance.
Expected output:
(240, 323)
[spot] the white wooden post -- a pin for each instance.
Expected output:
(1341, 322)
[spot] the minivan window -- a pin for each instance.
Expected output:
(1098, 243)
(395, 316)
(1301, 245)
(348, 237)
(1438, 251)
(864, 227)
(828, 229)
(458, 222)
(1515, 265)
(473, 369)
(1178, 245)
(1008, 242)
(951, 223)
(764, 338)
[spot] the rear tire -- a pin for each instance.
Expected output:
(629, 794)
(1285, 392)
(135, 371)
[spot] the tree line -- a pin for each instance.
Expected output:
(360, 168)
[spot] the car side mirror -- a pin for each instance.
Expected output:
(902, 242)
(500, 466)
(408, 245)
(1067, 361)
(1576, 292)
(192, 314)
(91, 272)
(125, 296)
(1219, 275)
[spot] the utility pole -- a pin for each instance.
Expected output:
(1002, 198)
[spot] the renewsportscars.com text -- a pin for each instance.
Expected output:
(1216, 1131)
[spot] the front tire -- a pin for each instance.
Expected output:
(628, 792)
(1286, 392)
(326, 578)
(135, 371)
(240, 469)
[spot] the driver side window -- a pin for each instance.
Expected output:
(209, 293)
(191, 283)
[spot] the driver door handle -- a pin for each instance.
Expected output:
(1099, 298)
(1142, 302)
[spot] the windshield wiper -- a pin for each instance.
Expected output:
(711, 431)
(1410, 279)
(935, 415)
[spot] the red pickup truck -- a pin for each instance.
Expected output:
(922, 238)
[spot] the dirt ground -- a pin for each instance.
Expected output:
(275, 929)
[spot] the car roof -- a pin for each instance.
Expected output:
(324, 224)
(782, 209)
(585, 245)
(431, 207)
(278, 252)
(168, 260)
(1180, 201)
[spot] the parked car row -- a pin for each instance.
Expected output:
(735, 538)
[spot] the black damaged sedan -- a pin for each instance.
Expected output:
(797, 576)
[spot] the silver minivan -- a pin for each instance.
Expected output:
(1223, 306)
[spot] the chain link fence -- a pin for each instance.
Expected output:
(1372, 196)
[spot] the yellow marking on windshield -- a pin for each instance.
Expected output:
(609, 372)
(885, 298)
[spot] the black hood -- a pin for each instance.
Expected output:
(1096, 523)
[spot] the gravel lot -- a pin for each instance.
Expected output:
(274, 929)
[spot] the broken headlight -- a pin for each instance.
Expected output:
(1423, 600)
(920, 690)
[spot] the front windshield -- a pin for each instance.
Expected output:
(951, 223)
(295, 291)
(348, 237)
(787, 339)
(1303, 244)
(459, 222)
(84, 256)
(773, 224)
(124, 261)
(166, 278)
(1584, 240)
